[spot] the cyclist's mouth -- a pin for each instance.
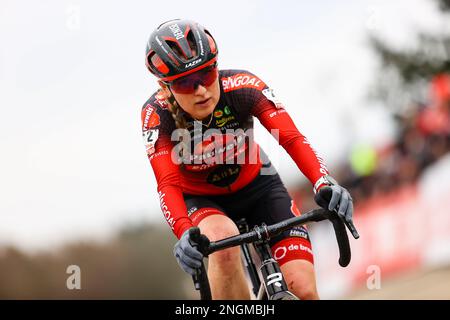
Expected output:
(203, 103)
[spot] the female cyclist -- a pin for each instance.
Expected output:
(197, 129)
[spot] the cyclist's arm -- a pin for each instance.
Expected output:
(156, 128)
(290, 138)
(169, 187)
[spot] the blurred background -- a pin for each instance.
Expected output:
(368, 82)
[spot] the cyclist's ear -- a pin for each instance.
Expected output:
(162, 84)
(323, 196)
(164, 89)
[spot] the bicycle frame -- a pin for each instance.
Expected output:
(248, 260)
(274, 286)
(273, 279)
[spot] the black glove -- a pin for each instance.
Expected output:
(187, 253)
(333, 197)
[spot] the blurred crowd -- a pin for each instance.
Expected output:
(422, 137)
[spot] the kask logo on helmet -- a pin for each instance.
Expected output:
(175, 28)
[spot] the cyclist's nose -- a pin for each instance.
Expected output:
(200, 89)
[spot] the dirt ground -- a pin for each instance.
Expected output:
(420, 285)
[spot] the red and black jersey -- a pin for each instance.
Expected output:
(219, 155)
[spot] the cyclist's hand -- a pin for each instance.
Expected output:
(336, 198)
(187, 255)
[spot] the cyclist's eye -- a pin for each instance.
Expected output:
(209, 70)
(183, 82)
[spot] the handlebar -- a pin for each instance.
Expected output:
(264, 232)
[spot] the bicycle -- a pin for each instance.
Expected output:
(274, 286)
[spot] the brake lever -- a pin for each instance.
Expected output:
(349, 224)
(200, 278)
(194, 234)
(351, 227)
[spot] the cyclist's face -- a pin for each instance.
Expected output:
(200, 100)
(201, 103)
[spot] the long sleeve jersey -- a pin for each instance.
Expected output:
(219, 155)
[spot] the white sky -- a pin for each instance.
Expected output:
(73, 80)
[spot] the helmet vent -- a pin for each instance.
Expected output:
(212, 43)
(179, 47)
(156, 62)
(175, 46)
(192, 43)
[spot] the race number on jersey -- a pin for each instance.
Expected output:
(271, 96)
(150, 137)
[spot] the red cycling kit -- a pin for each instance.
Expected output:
(216, 167)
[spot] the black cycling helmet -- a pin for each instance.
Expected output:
(179, 47)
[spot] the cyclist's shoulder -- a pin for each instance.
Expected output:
(240, 79)
(155, 111)
(156, 101)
